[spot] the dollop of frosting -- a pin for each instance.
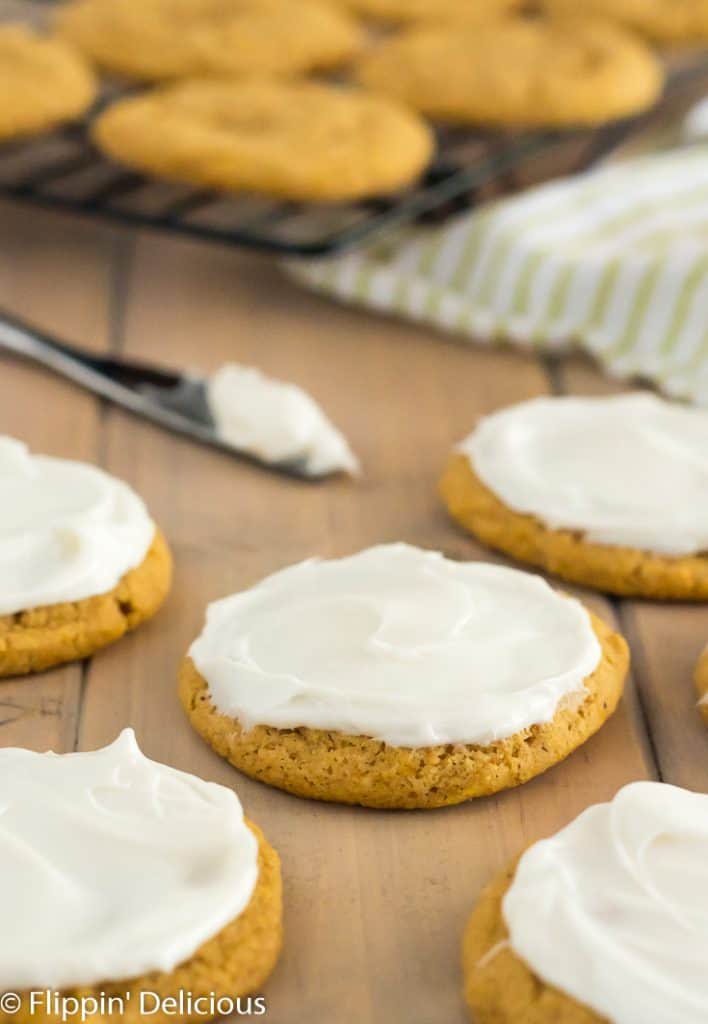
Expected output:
(398, 644)
(276, 421)
(112, 865)
(67, 529)
(694, 127)
(703, 701)
(631, 470)
(613, 910)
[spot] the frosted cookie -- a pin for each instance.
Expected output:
(517, 71)
(159, 39)
(605, 921)
(299, 140)
(702, 684)
(398, 678)
(125, 879)
(43, 82)
(81, 561)
(668, 21)
(607, 492)
(401, 11)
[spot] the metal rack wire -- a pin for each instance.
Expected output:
(65, 171)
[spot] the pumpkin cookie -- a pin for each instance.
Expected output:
(389, 679)
(517, 71)
(666, 21)
(624, 876)
(609, 493)
(499, 987)
(81, 562)
(117, 827)
(295, 140)
(43, 82)
(401, 11)
(38, 639)
(702, 684)
(152, 40)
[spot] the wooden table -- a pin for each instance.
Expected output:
(375, 901)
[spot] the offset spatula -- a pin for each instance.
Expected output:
(177, 401)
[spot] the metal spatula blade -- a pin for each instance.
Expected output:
(177, 401)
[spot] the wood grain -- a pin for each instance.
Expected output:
(375, 901)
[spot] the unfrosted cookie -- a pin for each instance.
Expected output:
(81, 561)
(517, 71)
(151, 896)
(43, 82)
(369, 686)
(702, 684)
(296, 140)
(669, 21)
(608, 493)
(626, 877)
(401, 11)
(161, 39)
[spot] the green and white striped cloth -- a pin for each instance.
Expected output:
(614, 261)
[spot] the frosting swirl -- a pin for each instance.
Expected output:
(631, 470)
(112, 865)
(613, 909)
(399, 644)
(67, 530)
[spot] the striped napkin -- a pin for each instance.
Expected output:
(614, 261)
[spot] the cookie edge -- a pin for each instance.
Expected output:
(565, 553)
(261, 921)
(137, 597)
(493, 1001)
(306, 760)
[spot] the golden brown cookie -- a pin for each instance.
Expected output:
(565, 553)
(160, 39)
(669, 21)
(347, 769)
(517, 71)
(236, 962)
(43, 82)
(499, 987)
(295, 140)
(701, 680)
(402, 11)
(40, 638)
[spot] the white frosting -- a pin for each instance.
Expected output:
(276, 421)
(67, 530)
(112, 865)
(695, 123)
(630, 470)
(613, 910)
(399, 644)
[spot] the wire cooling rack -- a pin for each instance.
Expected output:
(65, 171)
